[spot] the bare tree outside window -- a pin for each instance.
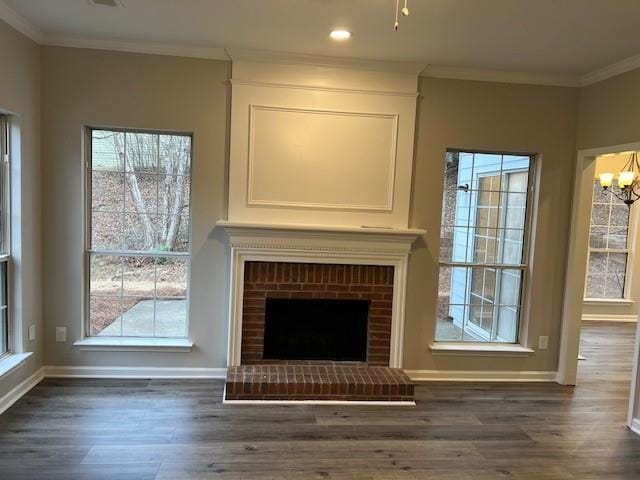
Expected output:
(139, 186)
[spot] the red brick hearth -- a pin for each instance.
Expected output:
(319, 281)
(318, 381)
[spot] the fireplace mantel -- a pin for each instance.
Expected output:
(261, 242)
(320, 237)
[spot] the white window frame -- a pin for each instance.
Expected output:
(116, 343)
(5, 233)
(443, 346)
(632, 230)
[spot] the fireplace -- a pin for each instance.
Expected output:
(309, 311)
(316, 329)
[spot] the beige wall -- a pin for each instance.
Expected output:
(492, 116)
(99, 88)
(84, 87)
(610, 112)
(20, 96)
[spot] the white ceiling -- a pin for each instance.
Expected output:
(564, 37)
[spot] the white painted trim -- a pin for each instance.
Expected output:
(480, 376)
(20, 23)
(320, 402)
(133, 372)
(489, 350)
(11, 362)
(609, 71)
(575, 275)
(635, 426)
(634, 394)
(114, 344)
(290, 58)
(322, 88)
(17, 392)
(387, 207)
(588, 317)
(175, 50)
(500, 76)
(613, 302)
(348, 246)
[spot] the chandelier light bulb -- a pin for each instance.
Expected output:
(626, 179)
(606, 180)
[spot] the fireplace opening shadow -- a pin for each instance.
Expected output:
(316, 329)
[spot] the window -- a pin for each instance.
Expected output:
(138, 242)
(483, 243)
(4, 236)
(608, 246)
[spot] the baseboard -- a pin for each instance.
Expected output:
(133, 372)
(480, 376)
(589, 317)
(635, 426)
(16, 393)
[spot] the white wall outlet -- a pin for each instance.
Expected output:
(543, 342)
(32, 333)
(61, 334)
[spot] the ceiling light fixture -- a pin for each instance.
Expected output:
(340, 34)
(628, 181)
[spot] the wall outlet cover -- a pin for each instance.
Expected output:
(543, 342)
(61, 334)
(32, 333)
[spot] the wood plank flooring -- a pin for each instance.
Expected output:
(158, 429)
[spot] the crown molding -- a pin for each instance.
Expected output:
(501, 76)
(20, 23)
(191, 51)
(613, 70)
(286, 58)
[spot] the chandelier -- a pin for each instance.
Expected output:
(628, 181)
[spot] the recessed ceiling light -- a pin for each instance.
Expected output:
(340, 34)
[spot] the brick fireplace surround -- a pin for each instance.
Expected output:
(257, 379)
(319, 281)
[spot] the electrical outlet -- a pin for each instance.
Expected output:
(61, 334)
(32, 333)
(543, 342)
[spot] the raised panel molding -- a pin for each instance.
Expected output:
(387, 169)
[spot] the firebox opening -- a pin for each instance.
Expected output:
(316, 329)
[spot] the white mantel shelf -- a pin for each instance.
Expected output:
(297, 243)
(363, 237)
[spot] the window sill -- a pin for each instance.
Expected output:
(115, 344)
(478, 349)
(13, 361)
(608, 301)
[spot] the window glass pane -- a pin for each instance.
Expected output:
(104, 315)
(175, 155)
(107, 192)
(171, 277)
(105, 275)
(140, 202)
(139, 277)
(141, 195)
(486, 225)
(138, 316)
(141, 152)
(106, 231)
(107, 151)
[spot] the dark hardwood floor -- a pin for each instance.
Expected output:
(156, 429)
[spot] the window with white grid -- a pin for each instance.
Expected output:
(483, 246)
(138, 238)
(608, 246)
